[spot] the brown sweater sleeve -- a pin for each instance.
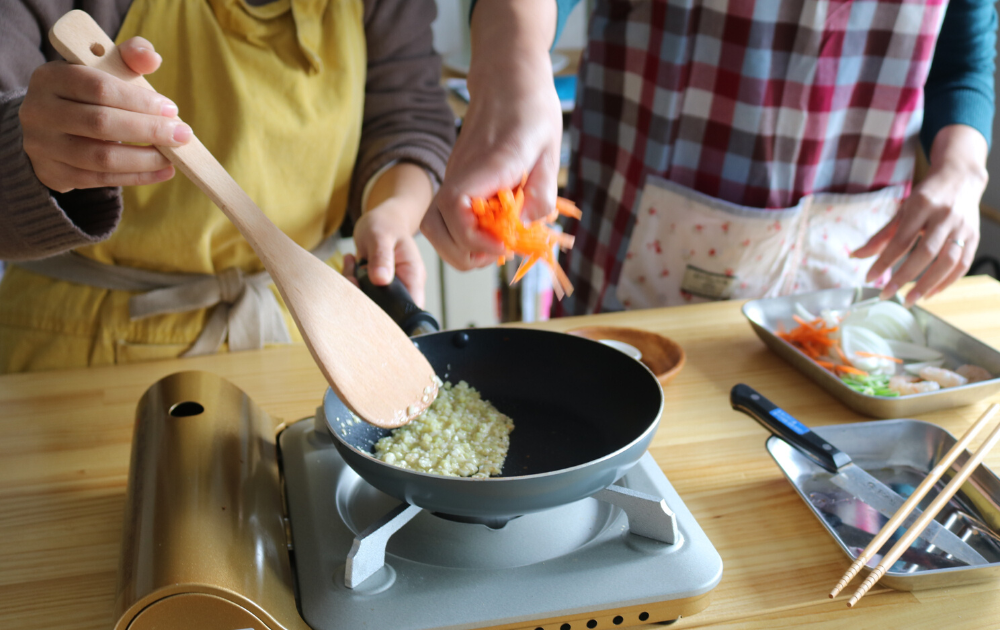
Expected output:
(406, 117)
(35, 222)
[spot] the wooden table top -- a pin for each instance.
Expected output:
(65, 439)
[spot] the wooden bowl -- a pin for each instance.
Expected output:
(663, 356)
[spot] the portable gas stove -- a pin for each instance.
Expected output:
(225, 529)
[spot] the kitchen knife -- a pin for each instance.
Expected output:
(844, 472)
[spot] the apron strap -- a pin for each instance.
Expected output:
(246, 310)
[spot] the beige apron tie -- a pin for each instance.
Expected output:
(246, 311)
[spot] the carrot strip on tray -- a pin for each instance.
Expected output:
(500, 216)
(814, 339)
(872, 355)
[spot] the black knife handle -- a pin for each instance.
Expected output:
(779, 422)
(395, 300)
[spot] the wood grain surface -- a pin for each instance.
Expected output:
(65, 437)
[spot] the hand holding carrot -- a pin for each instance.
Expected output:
(513, 126)
(500, 216)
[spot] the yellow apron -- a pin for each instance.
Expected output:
(276, 93)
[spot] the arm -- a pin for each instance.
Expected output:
(513, 126)
(406, 136)
(406, 115)
(384, 234)
(34, 220)
(943, 209)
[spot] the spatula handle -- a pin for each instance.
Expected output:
(80, 40)
(781, 423)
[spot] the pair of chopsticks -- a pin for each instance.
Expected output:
(904, 510)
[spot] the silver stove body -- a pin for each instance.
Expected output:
(578, 562)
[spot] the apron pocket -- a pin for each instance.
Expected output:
(837, 225)
(687, 247)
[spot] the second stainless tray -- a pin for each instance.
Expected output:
(766, 314)
(900, 453)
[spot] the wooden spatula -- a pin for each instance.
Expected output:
(370, 363)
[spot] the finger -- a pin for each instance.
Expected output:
(139, 55)
(481, 260)
(107, 157)
(877, 243)
(381, 260)
(116, 125)
(922, 255)
(411, 271)
(540, 189)
(436, 230)
(947, 259)
(456, 212)
(70, 177)
(959, 270)
(912, 216)
(81, 84)
(350, 268)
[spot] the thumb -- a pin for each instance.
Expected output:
(540, 189)
(382, 261)
(139, 55)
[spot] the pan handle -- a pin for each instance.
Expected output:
(395, 300)
(781, 423)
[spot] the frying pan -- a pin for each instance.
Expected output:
(584, 413)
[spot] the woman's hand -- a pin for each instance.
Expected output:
(384, 235)
(74, 119)
(513, 126)
(942, 212)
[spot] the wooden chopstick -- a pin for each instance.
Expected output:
(939, 502)
(914, 499)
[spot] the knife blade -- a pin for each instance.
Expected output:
(844, 472)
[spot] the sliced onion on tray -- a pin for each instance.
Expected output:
(854, 339)
(913, 352)
(888, 320)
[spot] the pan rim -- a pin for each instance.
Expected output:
(653, 426)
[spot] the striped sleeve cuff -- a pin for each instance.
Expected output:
(34, 221)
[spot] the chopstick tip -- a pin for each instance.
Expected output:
(848, 575)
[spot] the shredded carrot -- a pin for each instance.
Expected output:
(847, 369)
(804, 323)
(872, 355)
(815, 341)
(500, 216)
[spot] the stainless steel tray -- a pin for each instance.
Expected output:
(766, 314)
(900, 453)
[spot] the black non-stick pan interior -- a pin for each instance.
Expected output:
(572, 400)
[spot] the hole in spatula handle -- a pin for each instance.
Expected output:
(97, 49)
